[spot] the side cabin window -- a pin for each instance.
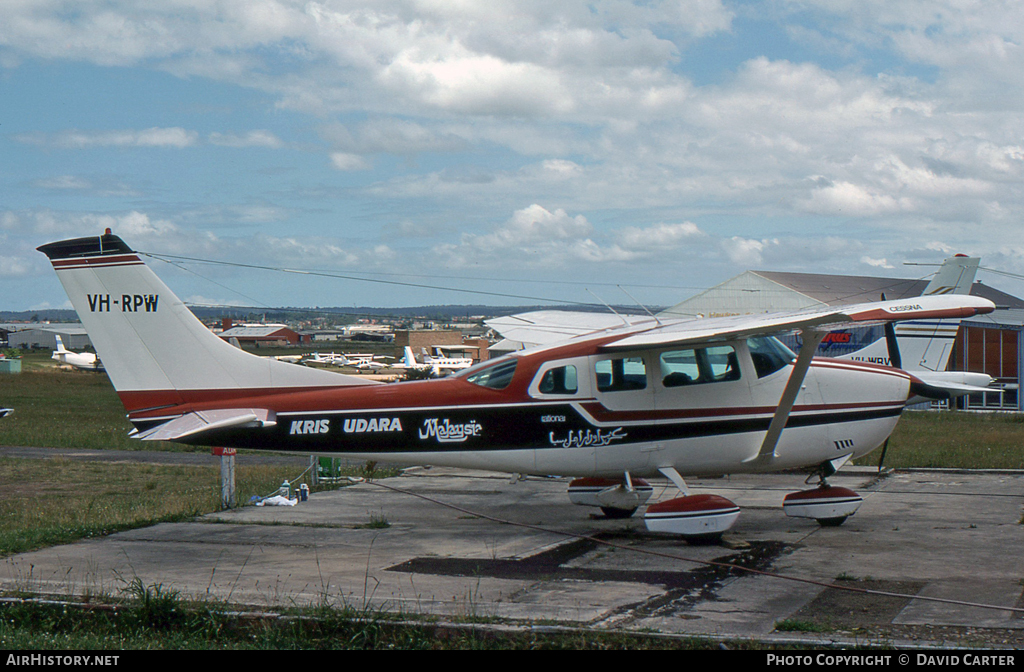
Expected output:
(623, 373)
(768, 354)
(496, 376)
(561, 380)
(699, 365)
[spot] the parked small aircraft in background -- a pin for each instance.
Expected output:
(438, 366)
(331, 359)
(80, 360)
(366, 361)
(671, 397)
(5, 412)
(359, 360)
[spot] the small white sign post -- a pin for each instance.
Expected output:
(227, 476)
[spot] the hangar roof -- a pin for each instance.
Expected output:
(845, 289)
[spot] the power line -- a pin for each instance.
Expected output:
(343, 276)
(349, 275)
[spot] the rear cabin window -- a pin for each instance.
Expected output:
(699, 365)
(559, 381)
(617, 375)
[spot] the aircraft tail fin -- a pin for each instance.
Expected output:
(955, 276)
(156, 353)
(929, 344)
(60, 345)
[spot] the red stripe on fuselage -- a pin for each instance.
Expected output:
(601, 414)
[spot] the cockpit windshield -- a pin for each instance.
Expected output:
(769, 354)
(496, 374)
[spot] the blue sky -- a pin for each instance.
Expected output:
(522, 148)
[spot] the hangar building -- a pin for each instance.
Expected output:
(44, 336)
(263, 335)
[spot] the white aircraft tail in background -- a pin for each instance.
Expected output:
(87, 361)
(923, 347)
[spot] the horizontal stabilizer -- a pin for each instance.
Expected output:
(949, 384)
(190, 425)
(944, 389)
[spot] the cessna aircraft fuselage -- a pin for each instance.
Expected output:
(574, 410)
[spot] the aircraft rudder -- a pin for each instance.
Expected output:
(955, 276)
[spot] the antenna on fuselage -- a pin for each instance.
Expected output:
(608, 307)
(640, 304)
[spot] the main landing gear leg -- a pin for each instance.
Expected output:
(698, 518)
(827, 504)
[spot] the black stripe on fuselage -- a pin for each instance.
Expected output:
(494, 428)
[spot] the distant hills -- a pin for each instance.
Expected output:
(447, 313)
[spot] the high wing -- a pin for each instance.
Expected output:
(818, 320)
(549, 327)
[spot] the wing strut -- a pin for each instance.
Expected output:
(811, 339)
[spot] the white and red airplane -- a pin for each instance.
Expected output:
(437, 365)
(683, 397)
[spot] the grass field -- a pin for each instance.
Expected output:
(64, 409)
(955, 440)
(49, 502)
